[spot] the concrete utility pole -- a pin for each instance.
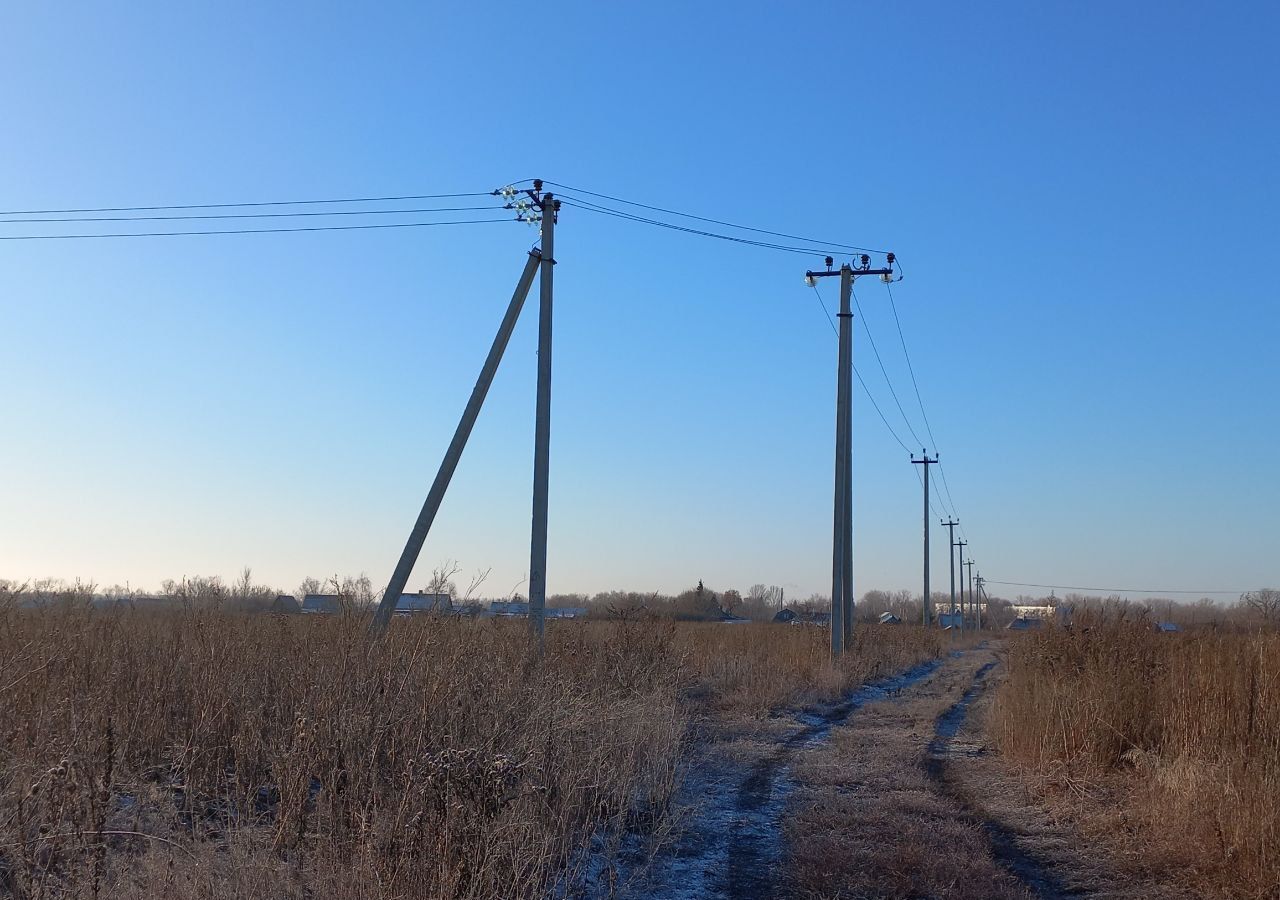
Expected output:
(840, 547)
(928, 600)
(978, 608)
(960, 545)
(951, 555)
(542, 423)
(972, 604)
(395, 587)
(842, 525)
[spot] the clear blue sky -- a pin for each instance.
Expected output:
(1083, 197)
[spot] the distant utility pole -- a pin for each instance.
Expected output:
(542, 422)
(842, 526)
(972, 603)
(978, 609)
(951, 556)
(960, 545)
(926, 462)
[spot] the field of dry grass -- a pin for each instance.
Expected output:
(1167, 743)
(208, 754)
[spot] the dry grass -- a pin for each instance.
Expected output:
(754, 669)
(1188, 725)
(204, 754)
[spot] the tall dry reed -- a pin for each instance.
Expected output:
(206, 754)
(1190, 724)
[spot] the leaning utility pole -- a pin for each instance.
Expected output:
(960, 545)
(435, 496)
(951, 555)
(542, 423)
(842, 525)
(926, 462)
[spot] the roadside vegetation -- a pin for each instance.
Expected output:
(205, 752)
(1168, 744)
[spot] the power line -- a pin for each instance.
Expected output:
(1067, 587)
(133, 234)
(673, 212)
(932, 508)
(916, 386)
(858, 375)
(883, 370)
(98, 209)
(274, 215)
(579, 203)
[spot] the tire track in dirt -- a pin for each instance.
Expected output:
(1028, 868)
(731, 846)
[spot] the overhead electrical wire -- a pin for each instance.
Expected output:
(684, 215)
(587, 205)
(135, 234)
(101, 209)
(858, 375)
(916, 386)
(883, 371)
(272, 215)
(1067, 587)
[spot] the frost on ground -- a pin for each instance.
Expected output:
(729, 841)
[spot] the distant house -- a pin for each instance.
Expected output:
(888, 618)
(509, 608)
(409, 604)
(1168, 627)
(286, 604)
(567, 612)
(785, 616)
(1026, 623)
(950, 620)
(321, 604)
(813, 618)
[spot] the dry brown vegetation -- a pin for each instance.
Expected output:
(207, 754)
(1180, 734)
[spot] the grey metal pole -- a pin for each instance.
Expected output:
(438, 487)
(542, 430)
(960, 545)
(847, 553)
(838, 525)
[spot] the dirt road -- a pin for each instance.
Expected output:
(890, 793)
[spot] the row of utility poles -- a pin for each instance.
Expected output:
(970, 615)
(534, 206)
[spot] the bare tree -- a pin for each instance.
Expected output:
(1265, 601)
(442, 578)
